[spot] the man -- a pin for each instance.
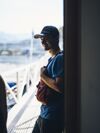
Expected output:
(51, 115)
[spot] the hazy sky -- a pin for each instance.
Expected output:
(21, 16)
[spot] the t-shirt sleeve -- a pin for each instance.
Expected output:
(58, 66)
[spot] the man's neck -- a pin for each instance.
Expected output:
(54, 52)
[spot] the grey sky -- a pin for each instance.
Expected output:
(21, 16)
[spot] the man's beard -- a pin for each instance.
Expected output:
(47, 46)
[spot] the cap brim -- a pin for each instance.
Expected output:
(38, 36)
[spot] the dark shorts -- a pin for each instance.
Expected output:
(47, 126)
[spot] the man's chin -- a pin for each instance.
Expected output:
(46, 49)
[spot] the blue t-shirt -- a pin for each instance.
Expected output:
(55, 68)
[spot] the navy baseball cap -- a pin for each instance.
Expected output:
(50, 31)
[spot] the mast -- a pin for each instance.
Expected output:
(31, 46)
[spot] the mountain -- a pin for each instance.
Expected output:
(13, 38)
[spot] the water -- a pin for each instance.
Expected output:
(19, 59)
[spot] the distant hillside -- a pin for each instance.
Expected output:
(13, 38)
(19, 43)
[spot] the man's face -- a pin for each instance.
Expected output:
(45, 43)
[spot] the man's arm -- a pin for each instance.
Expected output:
(53, 84)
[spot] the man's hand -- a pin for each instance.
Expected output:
(42, 71)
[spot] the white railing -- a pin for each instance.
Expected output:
(23, 77)
(26, 79)
(18, 94)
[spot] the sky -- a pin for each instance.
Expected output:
(23, 16)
